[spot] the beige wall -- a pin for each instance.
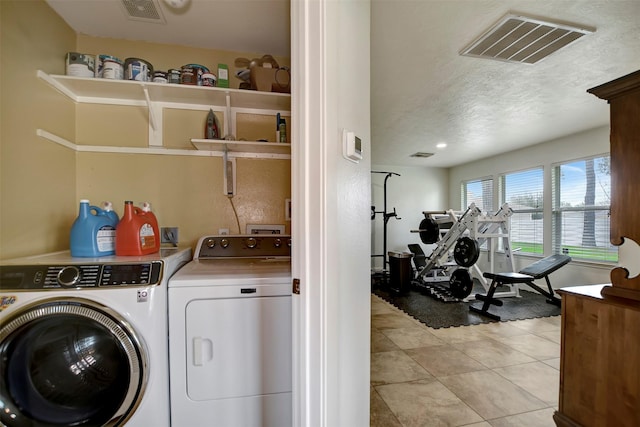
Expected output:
(42, 181)
(37, 193)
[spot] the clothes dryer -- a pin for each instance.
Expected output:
(83, 341)
(230, 334)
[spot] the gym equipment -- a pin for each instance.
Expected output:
(383, 275)
(442, 286)
(466, 252)
(429, 230)
(461, 283)
(458, 238)
(538, 270)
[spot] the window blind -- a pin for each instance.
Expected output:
(523, 191)
(478, 191)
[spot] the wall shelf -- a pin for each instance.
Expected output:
(205, 148)
(129, 92)
(156, 96)
(233, 147)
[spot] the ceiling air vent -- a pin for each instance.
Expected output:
(421, 154)
(517, 38)
(143, 10)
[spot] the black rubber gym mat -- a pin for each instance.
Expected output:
(437, 314)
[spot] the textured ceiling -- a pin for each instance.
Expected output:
(422, 91)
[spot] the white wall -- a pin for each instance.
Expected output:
(417, 189)
(331, 199)
(349, 313)
(546, 154)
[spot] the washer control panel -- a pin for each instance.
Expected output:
(244, 246)
(77, 276)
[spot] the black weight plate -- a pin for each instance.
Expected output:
(460, 283)
(429, 231)
(466, 252)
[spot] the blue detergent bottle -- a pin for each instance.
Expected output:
(108, 208)
(93, 233)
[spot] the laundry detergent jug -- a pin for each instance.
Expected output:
(108, 208)
(137, 232)
(93, 233)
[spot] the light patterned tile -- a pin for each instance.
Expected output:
(499, 329)
(482, 424)
(380, 414)
(491, 395)
(533, 345)
(492, 353)
(394, 367)
(426, 403)
(380, 342)
(539, 418)
(391, 321)
(541, 324)
(555, 320)
(550, 335)
(444, 360)
(379, 306)
(415, 337)
(458, 334)
(537, 378)
(554, 363)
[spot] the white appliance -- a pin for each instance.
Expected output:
(83, 341)
(230, 334)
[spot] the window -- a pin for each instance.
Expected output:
(523, 192)
(480, 192)
(581, 202)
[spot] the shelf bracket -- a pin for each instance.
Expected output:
(227, 117)
(152, 115)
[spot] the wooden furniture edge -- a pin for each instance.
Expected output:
(562, 420)
(617, 87)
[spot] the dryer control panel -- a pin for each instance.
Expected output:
(79, 276)
(244, 246)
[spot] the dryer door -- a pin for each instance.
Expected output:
(69, 362)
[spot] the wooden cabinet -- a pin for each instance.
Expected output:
(623, 95)
(600, 349)
(600, 360)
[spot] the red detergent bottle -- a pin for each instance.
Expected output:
(137, 232)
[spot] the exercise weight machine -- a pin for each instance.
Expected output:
(386, 216)
(453, 261)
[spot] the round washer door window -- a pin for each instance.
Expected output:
(69, 363)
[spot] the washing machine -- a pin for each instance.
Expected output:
(83, 341)
(230, 334)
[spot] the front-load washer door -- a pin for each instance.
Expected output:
(69, 362)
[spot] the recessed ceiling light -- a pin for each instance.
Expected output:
(441, 145)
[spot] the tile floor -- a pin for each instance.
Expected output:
(503, 374)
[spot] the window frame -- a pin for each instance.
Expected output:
(464, 202)
(557, 244)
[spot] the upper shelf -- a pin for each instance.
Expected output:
(129, 92)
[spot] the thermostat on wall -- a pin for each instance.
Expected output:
(351, 146)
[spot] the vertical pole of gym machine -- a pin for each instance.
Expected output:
(385, 216)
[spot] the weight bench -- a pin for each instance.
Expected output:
(538, 270)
